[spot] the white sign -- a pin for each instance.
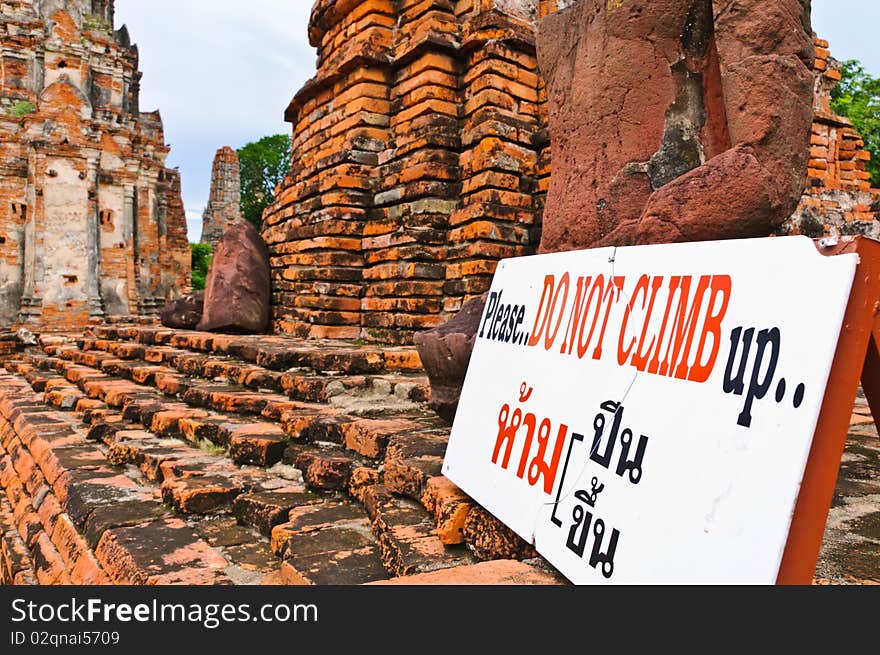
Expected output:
(644, 415)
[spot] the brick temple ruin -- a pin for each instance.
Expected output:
(92, 224)
(145, 455)
(421, 157)
(838, 197)
(224, 202)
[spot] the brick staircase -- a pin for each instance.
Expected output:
(141, 455)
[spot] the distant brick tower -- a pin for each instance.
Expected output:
(224, 204)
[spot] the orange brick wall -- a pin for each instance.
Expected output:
(421, 157)
(417, 164)
(838, 198)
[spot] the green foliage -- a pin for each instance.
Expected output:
(858, 98)
(264, 164)
(21, 109)
(95, 23)
(201, 262)
(209, 447)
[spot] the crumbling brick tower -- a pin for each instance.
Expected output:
(91, 220)
(838, 196)
(420, 158)
(224, 203)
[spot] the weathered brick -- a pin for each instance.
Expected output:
(27, 521)
(411, 461)
(171, 384)
(167, 423)
(68, 542)
(48, 512)
(450, 507)
(341, 567)
(48, 565)
(408, 540)
(81, 492)
(159, 552)
(260, 444)
(362, 478)
(490, 539)
(347, 519)
(325, 469)
(87, 571)
(369, 437)
(265, 510)
(201, 495)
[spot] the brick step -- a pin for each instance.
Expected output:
(37, 373)
(158, 382)
(235, 398)
(366, 437)
(82, 520)
(140, 398)
(193, 480)
(412, 458)
(274, 352)
(52, 343)
(36, 370)
(356, 395)
(302, 384)
(229, 398)
(348, 457)
(311, 387)
(328, 543)
(63, 396)
(351, 443)
(264, 510)
(253, 562)
(14, 363)
(259, 443)
(407, 535)
(8, 344)
(325, 466)
(309, 421)
(16, 564)
(149, 454)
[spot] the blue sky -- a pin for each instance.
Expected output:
(222, 73)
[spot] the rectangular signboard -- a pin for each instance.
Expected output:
(645, 415)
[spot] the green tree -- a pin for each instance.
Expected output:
(264, 164)
(858, 98)
(201, 261)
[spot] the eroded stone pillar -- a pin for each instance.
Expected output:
(130, 232)
(31, 298)
(12, 236)
(93, 241)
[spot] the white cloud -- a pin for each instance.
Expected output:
(194, 225)
(850, 26)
